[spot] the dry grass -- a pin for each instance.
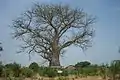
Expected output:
(70, 78)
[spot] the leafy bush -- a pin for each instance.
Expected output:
(27, 72)
(41, 71)
(72, 72)
(7, 72)
(15, 68)
(49, 72)
(64, 73)
(115, 69)
(1, 69)
(34, 66)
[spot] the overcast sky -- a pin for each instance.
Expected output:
(106, 40)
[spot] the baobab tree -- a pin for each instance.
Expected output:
(50, 28)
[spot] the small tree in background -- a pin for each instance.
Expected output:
(115, 69)
(104, 71)
(82, 64)
(34, 66)
(27, 72)
(14, 67)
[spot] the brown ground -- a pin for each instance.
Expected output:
(88, 78)
(71, 78)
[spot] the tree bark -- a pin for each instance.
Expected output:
(54, 60)
(55, 52)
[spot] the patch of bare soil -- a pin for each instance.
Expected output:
(70, 78)
(90, 78)
(87, 78)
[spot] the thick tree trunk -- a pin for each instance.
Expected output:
(55, 52)
(54, 61)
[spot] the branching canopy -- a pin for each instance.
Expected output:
(48, 29)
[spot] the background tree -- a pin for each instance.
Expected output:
(49, 29)
(82, 64)
(34, 66)
(1, 68)
(115, 69)
(26, 72)
(15, 68)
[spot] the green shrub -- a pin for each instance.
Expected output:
(49, 72)
(34, 66)
(27, 72)
(72, 72)
(1, 69)
(115, 69)
(14, 67)
(65, 73)
(7, 72)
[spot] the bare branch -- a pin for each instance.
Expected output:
(48, 29)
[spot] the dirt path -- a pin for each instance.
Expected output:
(88, 78)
